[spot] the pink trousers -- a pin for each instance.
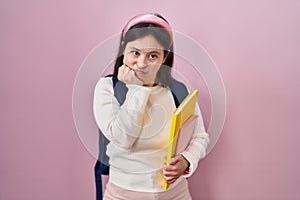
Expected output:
(179, 192)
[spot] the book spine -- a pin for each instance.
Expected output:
(176, 120)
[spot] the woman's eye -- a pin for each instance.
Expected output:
(135, 53)
(152, 56)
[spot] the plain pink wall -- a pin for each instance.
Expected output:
(255, 45)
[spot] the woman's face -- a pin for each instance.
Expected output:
(145, 56)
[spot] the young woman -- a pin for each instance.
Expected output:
(139, 128)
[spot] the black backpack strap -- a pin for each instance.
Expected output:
(179, 91)
(100, 169)
(120, 90)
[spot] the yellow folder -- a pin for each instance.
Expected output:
(181, 114)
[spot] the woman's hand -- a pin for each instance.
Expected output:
(128, 76)
(175, 169)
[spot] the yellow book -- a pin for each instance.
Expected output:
(181, 114)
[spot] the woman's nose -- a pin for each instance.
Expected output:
(141, 61)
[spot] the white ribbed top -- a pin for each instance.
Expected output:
(139, 133)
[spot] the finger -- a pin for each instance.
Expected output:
(170, 179)
(174, 160)
(170, 168)
(127, 66)
(131, 72)
(169, 173)
(126, 69)
(121, 72)
(121, 69)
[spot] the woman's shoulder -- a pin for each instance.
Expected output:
(103, 84)
(106, 80)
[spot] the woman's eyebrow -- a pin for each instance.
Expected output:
(134, 48)
(151, 50)
(154, 51)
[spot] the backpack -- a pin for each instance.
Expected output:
(179, 92)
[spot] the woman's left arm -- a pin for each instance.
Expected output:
(198, 144)
(186, 163)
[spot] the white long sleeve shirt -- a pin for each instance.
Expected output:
(139, 133)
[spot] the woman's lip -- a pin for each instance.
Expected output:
(140, 71)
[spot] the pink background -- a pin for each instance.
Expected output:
(255, 45)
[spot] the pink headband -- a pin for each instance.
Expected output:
(148, 18)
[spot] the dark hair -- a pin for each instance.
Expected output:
(141, 30)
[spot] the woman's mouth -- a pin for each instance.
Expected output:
(140, 71)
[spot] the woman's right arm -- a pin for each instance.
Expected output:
(120, 124)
